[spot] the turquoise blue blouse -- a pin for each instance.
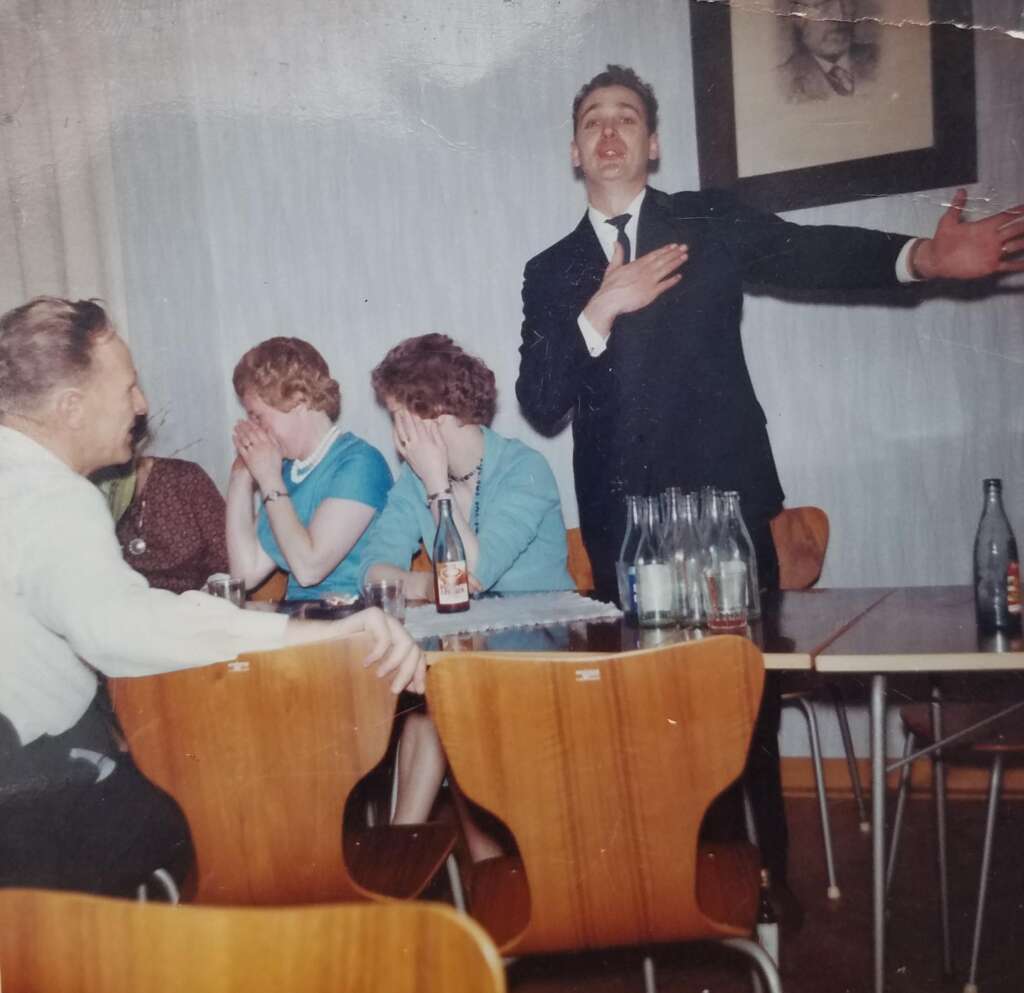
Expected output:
(520, 530)
(352, 469)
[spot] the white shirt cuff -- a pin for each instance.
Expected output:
(596, 345)
(903, 271)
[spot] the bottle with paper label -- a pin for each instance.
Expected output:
(451, 574)
(655, 582)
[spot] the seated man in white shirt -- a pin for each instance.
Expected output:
(75, 813)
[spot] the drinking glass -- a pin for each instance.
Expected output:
(228, 588)
(389, 595)
(727, 595)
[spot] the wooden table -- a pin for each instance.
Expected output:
(918, 629)
(796, 626)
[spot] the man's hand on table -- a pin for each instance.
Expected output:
(393, 651)
(962, 249)
(631, 286)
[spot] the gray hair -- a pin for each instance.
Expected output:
(47, 343)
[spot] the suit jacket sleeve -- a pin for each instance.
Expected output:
(553, 355)
(775, 252)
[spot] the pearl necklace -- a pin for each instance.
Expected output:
(301, 468)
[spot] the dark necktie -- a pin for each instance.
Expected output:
(620, 223)
(841, 80)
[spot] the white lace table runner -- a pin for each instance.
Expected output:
(514, 610)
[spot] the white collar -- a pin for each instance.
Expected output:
(844, 62)
(301, 468)
(607, 234)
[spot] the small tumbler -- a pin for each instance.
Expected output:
(228, 588)
(389, 595)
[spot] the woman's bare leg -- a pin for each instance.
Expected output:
(421, 768)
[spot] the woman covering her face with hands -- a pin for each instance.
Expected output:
(319, 487)
(505, 505)
(504, 497)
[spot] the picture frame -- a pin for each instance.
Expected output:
(782, 147)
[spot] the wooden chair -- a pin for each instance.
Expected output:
(984, 741)
(421, 561)
(73, 943)
(800, 535)
(602, 767)
(801, 541)
(579, 561)
(273, 587)
(261, 754)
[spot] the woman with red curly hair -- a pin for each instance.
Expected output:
(505, 504)
(320, 488)
(504, 497)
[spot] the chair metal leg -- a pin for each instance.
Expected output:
(748, 815)
(939, 779)
(167, 884)
(451, 865)
(762, 960)
(851, 756)
(650, 986)
(897, 821)
(994, 789)
(819, 777)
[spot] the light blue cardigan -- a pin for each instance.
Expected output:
(521, 530)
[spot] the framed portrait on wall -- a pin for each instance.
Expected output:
(807, 102)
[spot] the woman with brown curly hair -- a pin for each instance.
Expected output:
(504, 498)
(505, 504)
(320, 488)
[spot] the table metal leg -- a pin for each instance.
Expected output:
(878, 743)
(939, 784)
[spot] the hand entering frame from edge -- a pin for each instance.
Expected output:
(631, 286)
(962, 249)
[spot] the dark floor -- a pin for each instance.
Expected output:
(832, 952)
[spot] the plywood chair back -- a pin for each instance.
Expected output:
(579, 561)
(421, 561)
(261, 755)
(273, 587)
(801, 540)
(602, 767)
(73, 943)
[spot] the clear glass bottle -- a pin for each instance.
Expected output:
(655, 588)
(451, 574)
(686, 558)
(996, 566)
(625, 566)
(739, 538)
(709, 526)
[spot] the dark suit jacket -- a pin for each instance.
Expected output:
(670, 401)
(801, 77)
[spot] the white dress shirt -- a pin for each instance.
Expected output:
(69, 603)
(608, 234)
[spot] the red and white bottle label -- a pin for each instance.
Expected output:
(452, 583)
(1013, 588)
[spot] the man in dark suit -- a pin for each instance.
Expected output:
(827, 60)
(635, 338)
